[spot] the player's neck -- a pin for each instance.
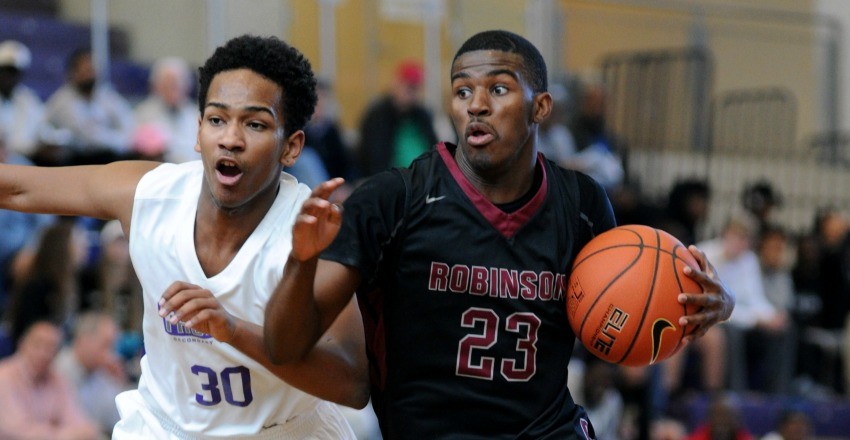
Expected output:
(220, 232)
(499, 186)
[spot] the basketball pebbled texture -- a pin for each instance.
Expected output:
(622, 295)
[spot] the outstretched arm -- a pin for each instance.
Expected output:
(715, 302)
(100, 191)
(312, 292)
(335, 369)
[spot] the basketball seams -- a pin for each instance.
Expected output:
(610, 283)
(640, 326)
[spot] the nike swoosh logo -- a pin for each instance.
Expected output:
(658, 328)
(429, 199)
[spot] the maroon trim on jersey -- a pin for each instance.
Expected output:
(506, 223)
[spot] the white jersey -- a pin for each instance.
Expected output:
(190, 381)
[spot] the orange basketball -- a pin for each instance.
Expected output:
(622, 296)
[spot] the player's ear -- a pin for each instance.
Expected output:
(198, 136)
(542, 107)
(292, 148)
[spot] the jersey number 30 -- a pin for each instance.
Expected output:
(210, 385)
(472, 359)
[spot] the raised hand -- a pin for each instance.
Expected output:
(317, 223)
(198, 309)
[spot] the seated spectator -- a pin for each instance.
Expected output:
(601, 399)
(723, 421)
(92, 366)
(780, 353)
(49, 289)
(324, 134)
(754, 318)
(687, 210)
(667, 429)
(596, 151)
(793, 425)
(95, 121)
(21, 110)
(833, 232)
(761, 200)
(149, 142)
(324, 137)
(37, 403)
(171, 109)
(17, 230)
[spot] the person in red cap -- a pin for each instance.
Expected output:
(397, 127)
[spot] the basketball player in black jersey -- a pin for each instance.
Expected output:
(460, 265)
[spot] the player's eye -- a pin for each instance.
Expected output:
(463, 93)
(254, 125)
(500, 90)
(215, 120)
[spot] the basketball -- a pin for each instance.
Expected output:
(622, 295)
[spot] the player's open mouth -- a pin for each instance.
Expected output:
(228, 172)
(478, 134)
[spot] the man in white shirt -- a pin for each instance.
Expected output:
(21, 110)
(170, 109)
(96, 123)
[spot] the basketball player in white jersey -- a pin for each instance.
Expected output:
(209, 240)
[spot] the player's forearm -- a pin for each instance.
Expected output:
(332, 370)
(292, 321)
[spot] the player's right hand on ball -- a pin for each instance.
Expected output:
(198, 309)
(317, 223)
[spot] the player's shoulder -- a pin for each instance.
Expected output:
(165, 179)
(587, 186)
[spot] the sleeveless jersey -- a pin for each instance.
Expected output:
(464, 304)
(203, 386)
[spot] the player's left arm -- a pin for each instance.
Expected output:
(715, 302)
(336, 368)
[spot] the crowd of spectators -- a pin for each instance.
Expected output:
(70, 303)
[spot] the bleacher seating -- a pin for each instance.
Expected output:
(51, 40)
(830, 417)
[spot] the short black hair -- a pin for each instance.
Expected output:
(273, 59)
(535, 65)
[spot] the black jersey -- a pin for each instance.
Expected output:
(464, 304)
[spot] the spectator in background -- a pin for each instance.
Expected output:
(596, 151)
(754, 317)
(601, 399)
(171, 108)
(723, 422)
(397, 128)
(37, 403)
(793, 425)
(21, 110)
(49, 289)
(119, 292)
(761, 200)
(779, 350)
(92, 366)
(17, 230)
(149, 142)
(324, 135)
(687, 210)
(95, 120)
(554, 136)
(833, 232)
